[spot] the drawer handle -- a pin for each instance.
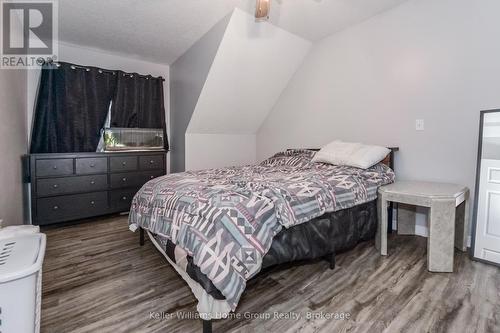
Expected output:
(55, 186)
(92, 165)
(151, 177)
(92, 182)
(152, 162)
(124, 198)
(124, 179)
(92, 203)
(124, 163)
(55, 207)
(54, 167)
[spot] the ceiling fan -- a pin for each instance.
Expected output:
(262, 9)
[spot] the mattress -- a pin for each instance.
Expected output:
(329, 234)
(226, 220)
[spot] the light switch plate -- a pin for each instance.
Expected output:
(419, 125)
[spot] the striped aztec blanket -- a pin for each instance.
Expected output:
(226, 218)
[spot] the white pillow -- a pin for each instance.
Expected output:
(352, 154)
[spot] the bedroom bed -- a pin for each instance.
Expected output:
(220, 227)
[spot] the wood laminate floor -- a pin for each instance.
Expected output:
(96, 278)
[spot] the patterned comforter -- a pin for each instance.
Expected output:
(226, 218)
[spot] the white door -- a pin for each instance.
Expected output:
(487, 241)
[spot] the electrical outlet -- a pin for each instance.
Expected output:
(419, 125)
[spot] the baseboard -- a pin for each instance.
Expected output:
(420, 230)
(423, 231)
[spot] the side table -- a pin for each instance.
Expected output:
(442, 200)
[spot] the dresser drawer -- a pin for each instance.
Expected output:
(151, 162)
(152, 175)
(121, 180)
(123, 163)
(56, 186)
(133, 179)
(91, 165)
(120, 200)
(54, 167)
(71, 207)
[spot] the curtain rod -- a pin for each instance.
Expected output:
(50, 61)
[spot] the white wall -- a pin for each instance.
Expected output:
(13, 143)
(436, 60)
(188, 75)
(253, 65)
(205, 151)
(93, 57)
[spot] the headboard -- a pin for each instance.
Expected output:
(388, 160)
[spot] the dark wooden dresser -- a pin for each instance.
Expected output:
(67, 187)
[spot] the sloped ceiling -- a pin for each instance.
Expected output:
(187, 79)
(253, 65)
(162, 30)
(317, 19)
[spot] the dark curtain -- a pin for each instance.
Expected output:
(138, 102)
(71, 108)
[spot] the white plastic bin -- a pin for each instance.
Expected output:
(21, 258)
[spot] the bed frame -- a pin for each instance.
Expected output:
(389, 161)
